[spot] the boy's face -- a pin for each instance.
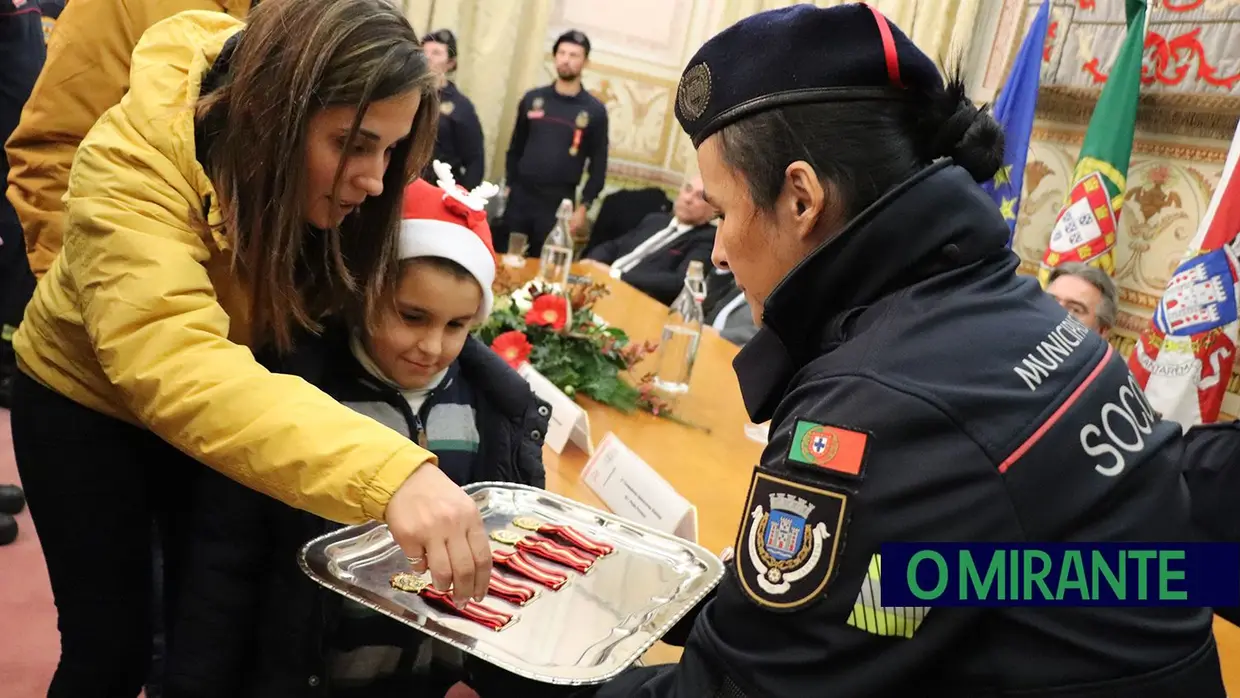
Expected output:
(421, 333)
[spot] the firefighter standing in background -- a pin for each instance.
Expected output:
(559, 127)
(459, 142)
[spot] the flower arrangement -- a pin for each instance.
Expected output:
(577, 351)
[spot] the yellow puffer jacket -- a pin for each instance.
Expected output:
(86, 72)
(140, 317)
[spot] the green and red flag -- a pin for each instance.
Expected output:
(1087, 225)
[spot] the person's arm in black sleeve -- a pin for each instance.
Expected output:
(665, 284)
(598, 161)
(827, 633)
(608, 252)
(1211, 467)
(516, 146)
(469, 144)
(221, 588)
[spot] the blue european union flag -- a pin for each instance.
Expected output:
(1014, 111)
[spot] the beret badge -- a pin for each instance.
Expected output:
(694, 94)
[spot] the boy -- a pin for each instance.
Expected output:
(252, 624)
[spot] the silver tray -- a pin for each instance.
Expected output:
(587, 632)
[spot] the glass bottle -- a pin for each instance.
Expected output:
(557, 250)
(681, 333)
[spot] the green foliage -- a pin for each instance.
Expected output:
(584, 356)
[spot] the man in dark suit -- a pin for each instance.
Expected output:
(654, 257)
(726, 309)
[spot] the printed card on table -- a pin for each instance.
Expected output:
(568, 422)
(634, 490)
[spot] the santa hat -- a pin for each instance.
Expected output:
(449, 222)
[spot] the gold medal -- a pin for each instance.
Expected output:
(410, 582)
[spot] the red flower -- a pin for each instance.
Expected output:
(548, 310)
(513, 347)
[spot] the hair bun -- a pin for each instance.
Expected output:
(959, 130)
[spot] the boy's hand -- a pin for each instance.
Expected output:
(440, 529)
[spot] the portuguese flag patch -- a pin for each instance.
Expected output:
(829, 447)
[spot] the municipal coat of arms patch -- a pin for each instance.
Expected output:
(789, 541)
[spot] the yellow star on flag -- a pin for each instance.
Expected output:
(1003, 176)
(1008, 209)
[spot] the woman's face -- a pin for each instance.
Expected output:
(759, 247)
(387, 122)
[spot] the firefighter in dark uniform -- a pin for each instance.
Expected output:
(890, 361)
(459, 140)
(559, 128)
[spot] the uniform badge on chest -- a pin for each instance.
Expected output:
(583, 120)
(536, 109)
(789, 541)
(446, 108)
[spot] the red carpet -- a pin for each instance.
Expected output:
(29, 642)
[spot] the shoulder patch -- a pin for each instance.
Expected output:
(830, 447)
(789, 540)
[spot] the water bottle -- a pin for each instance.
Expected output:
(501, 200)
(681, 332)
(557, 251)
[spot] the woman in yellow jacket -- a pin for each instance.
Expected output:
(248, 184)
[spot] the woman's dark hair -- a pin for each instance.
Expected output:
(295, 58)
(865, 148)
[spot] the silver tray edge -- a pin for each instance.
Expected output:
(715, 572)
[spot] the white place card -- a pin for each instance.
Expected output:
(634, 490)
(568, 422)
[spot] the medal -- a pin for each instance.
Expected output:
(519, 563)
(513, 593)
(547, 549)
(478, 613)
(567, 534)
(583, 120)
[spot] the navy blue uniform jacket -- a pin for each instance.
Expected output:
(459, 140)
(554, 137)
(920, 390)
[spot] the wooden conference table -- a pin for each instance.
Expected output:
(710, 469)
(709, 463)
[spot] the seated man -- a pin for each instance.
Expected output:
(1086, 292)
(726, 308)
(654, 257)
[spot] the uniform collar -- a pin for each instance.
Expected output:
(876, 254)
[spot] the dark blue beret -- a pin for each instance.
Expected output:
(798, 55)
(573, 36)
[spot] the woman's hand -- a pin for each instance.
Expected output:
(440, 529)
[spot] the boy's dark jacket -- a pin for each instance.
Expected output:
(250, 613)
